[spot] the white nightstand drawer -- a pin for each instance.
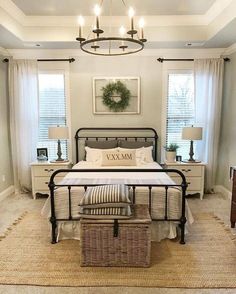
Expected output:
(42, 182)
(194, 174)
(193, 183)
(188, 170)
(47, 171)
(41, 173)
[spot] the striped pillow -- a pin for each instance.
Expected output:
(106, 213)
(106, 196)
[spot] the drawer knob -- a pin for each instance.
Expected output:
(186, 170)
(46, 183)
(48, 170)
(188, 183)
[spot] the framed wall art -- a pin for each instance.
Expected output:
(116, 95)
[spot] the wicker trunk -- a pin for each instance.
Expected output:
(131, 247)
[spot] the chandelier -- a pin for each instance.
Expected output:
(127, 42)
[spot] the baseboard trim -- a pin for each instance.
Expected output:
(223, 190)
(10, 190)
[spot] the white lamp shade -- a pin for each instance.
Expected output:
(192, 133)
(58, 133)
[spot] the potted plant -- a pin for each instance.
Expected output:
(170, 153)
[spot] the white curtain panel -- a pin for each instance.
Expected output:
(208, 95)
(23, 93)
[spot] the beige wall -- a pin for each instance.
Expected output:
(227, 150)
(5, 156)
(85, 68)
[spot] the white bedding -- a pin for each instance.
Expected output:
(160, 230)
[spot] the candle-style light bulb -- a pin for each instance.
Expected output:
(131, 12)
(81, 24)
(131, 15)
(97, 11)
(141, 23)
(141, 26)
(141, 34)
(122, 31)
(81, 20)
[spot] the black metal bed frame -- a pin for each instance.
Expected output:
(153, 138)
(52, 185)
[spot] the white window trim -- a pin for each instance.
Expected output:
(170, 67)
(61, 67)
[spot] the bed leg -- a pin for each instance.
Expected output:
(54, 226)
(182, 229)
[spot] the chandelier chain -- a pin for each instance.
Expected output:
(123, 1)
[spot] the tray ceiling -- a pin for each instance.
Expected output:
(147, 7)
(53, 24)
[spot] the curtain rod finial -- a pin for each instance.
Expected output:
(5, 60)
(160, 59)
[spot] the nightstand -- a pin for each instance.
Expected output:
(194, 173)
(41, 173)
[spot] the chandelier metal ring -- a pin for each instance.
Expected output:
(102, 39)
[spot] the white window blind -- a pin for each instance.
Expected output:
(52, 110)
(180, 109)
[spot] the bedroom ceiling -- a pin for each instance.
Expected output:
(52, 24)
(147, 7)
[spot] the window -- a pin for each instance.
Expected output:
(180, 108)
(52, 110)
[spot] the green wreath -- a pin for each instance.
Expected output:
(116, 89)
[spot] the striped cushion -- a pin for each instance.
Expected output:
(111, 195)
(106, 212)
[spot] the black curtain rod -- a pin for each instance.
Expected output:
(187, 59)
(63, 59)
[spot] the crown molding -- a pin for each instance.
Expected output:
(13, 10)
(153, 21)
(230, 50)
(222, 20)
(216, 9)
(4, 52)
(156, 53)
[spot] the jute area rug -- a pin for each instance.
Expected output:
(208, 260)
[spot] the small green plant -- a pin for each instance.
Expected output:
(171, 147)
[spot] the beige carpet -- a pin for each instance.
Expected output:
(208, 259)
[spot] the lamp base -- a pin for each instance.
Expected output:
(191, 161)
(59, 161)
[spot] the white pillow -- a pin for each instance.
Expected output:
(148, 154)
(119, 157)
(95, 155)
(143, 154)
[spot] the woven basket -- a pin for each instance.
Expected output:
(131, 247)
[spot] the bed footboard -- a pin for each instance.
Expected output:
(166, 184)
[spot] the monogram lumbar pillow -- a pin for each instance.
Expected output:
(119, 158)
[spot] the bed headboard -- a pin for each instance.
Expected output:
(106, 134)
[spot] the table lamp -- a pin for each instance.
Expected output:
(58, 133)
(191, 133)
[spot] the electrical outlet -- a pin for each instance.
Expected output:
(3, 178)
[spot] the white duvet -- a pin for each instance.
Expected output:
(160, 230)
